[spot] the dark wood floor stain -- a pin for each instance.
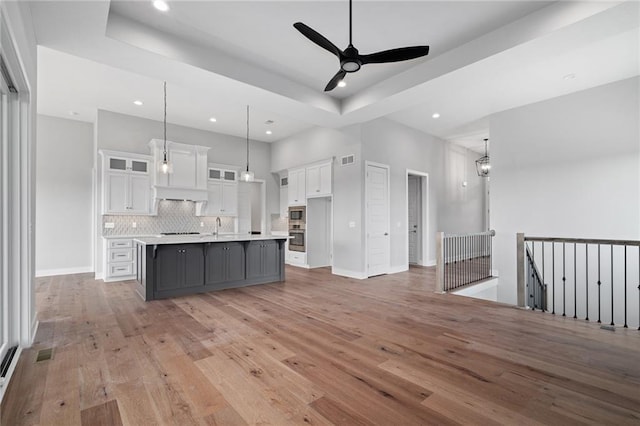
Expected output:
(318, 350)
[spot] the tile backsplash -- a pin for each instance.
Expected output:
(173, 216)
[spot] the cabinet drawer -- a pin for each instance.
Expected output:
(121, 255)
(114, 244)
(297, 257)
(120, 269)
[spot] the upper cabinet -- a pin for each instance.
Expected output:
(126, 183)
(188, 177)
(297, 187)
(319, 180)
(314, 180)
(222, 194)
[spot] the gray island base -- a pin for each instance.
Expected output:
(171, 266)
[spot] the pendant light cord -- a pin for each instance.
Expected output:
(485, 147)
(165, 122)
(247, 138)
(350, 24)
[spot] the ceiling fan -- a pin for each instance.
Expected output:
(350, 59)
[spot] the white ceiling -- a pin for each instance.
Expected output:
(218, 57)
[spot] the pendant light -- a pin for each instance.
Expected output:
(246, 175)
(165, 166)
(483, 165)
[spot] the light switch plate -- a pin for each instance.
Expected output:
(134, 225)
(109, 225)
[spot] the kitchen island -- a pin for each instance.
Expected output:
(169, 266)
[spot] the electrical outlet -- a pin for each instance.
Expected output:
(109, 225)
(201, 224)
(134, 225)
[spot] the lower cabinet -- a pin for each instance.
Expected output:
(168, 270)
(179, 266)
(263, 259)
(224, 263)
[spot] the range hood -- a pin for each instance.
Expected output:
(188, 179)
(178, 193)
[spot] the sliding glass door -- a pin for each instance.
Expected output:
(5, 120)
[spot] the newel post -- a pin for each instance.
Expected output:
(520, 268)
(439, 262)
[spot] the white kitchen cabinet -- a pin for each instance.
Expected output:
(119, 259)
(222, 174)
(284, 197)
(297, 187)
(222, 200)
(318, 180)
(126, 183)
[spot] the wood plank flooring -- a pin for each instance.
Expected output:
(316, 350)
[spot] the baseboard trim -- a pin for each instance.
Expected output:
(34, 330)
(349, 274)
(431, 262)
(63, 271)
(397, 269)
(5, 383)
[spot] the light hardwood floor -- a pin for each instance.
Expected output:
(317, 349)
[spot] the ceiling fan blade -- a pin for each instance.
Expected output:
(317, 38)
(395, 55)
(335, 80)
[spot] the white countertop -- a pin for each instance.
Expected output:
(186, 239)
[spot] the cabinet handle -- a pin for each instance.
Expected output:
(317, 190)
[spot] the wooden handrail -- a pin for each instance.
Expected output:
(585, 241)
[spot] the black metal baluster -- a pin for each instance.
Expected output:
(575, 284)
(553, 277)
(564, 281)
(586, 282)
(446, 257)
(599, 285)
(625, 287)
(544, 302)
(612, 285)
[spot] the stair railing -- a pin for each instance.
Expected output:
(592, 279)
(462, 259)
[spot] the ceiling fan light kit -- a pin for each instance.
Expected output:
(350, 59)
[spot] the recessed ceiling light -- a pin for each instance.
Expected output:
(569, 76)
(137, 103)
(213, 119)
(268, 132)
(161, 5)
(435, 115)
(342, 83)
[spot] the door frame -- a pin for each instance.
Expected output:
(368, 163)
(424, 216)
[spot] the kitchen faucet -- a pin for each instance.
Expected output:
(218, 224)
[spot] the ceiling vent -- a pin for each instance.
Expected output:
(347, 160)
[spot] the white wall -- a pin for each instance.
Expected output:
(63, 196)
(451, 207)
(565, 167)
(321, 144)
(132, 134)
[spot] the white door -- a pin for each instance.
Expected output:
(4, 281)
(377, 190)
(414, 202)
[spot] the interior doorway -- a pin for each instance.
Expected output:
(377, 219)
(417, 218)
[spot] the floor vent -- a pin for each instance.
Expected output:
(44, 354)
(6, 362)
